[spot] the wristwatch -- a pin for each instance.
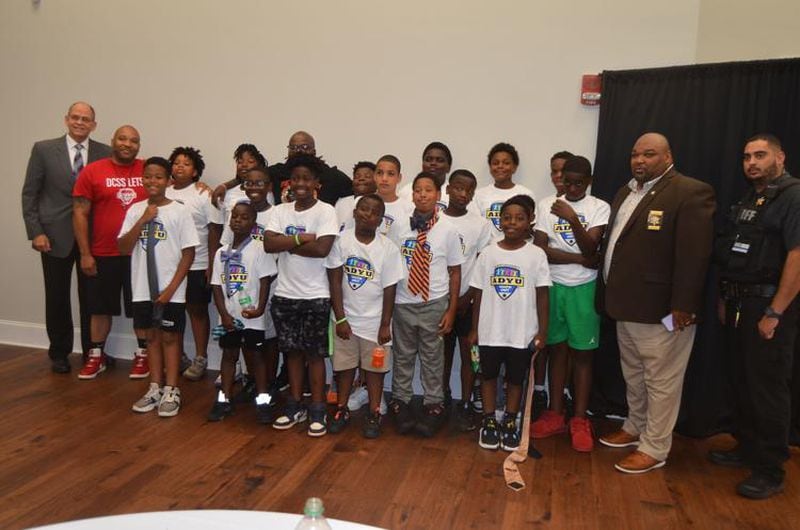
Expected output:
(771, 313)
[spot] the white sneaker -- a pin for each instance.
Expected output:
(358, 398)
(150, 400)
(170, 402)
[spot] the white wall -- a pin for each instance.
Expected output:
(365, 77)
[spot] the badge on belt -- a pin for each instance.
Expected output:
(655, 219)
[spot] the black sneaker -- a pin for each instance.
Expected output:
(220, 410)
(509, 439)
(372, 425)
(758, 487)
(431, 421)
(317, 421)
(340, 420)
(403, 417)
(265, 413)
(248, 392)
(465, 419)
(539, 403)
(489, 437)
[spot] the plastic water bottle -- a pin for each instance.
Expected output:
(313, 520)
(378, 356)
(245, 301)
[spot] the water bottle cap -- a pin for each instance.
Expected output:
(314, 507)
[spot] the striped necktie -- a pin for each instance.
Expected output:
(77, 162)
(419, 280)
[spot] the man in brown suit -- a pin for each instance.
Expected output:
(655, 257)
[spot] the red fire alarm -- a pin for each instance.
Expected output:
(591, 84)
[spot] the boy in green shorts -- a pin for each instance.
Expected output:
(569, 230)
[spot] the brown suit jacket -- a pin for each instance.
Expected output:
(655, 271)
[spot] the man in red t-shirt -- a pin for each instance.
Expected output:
(103, 193)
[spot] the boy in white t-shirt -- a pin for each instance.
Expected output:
(364, 268)
(569, 231)
(503, 163)
(425, 306)
(510, 313)
(387, 178)
(240, 281)
(302, 233)
(363, 184)
(161, 237)
(474, 233)
(187, 168)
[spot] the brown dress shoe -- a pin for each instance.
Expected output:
(637, 462)
(620, 438)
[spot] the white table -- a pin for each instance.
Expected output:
(198, 520)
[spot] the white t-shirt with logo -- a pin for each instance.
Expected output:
(300, 277)
(367, 271)
(445, 250)
(592, 212)
(474, 234)
(174, 232)
(203, 213)
(245, 278)
(508, 280)
(489, 199)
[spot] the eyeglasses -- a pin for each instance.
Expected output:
(82, 119)
(254, 184)
(300, 148)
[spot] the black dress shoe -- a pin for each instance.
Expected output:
(731, 458)
(60, 366)
(758, 487)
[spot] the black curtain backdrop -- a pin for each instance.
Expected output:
(707, 112)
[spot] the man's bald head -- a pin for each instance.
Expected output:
(80, 121)
(651, 157)
(125, 145)
(301, 142)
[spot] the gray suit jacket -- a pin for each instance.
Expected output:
(47, 192)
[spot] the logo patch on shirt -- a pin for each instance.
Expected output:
(493, 214)
(238, 279)
(160, 234)
(407, 250)
(388, 221)
(257, 233)
(564, 229)
(506, 279)
(126, 196)
(358, 271)
(292, 230)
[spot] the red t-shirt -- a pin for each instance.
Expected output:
(111, 189)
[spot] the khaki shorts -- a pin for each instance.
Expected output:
(357, 352)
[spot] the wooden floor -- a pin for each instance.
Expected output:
(73, 449)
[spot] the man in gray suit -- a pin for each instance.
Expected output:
(47, 210)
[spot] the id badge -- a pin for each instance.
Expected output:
(655, 219)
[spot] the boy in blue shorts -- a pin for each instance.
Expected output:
(569, 231)
(161, 237)
(302, 233)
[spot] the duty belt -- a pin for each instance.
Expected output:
(735, 291)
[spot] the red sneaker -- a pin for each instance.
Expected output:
(580, 430)
(141, 367)
(548, 424)
(94, 365)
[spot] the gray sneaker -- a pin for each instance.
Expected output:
(197, 369)
(150, 400)
(170, 402)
